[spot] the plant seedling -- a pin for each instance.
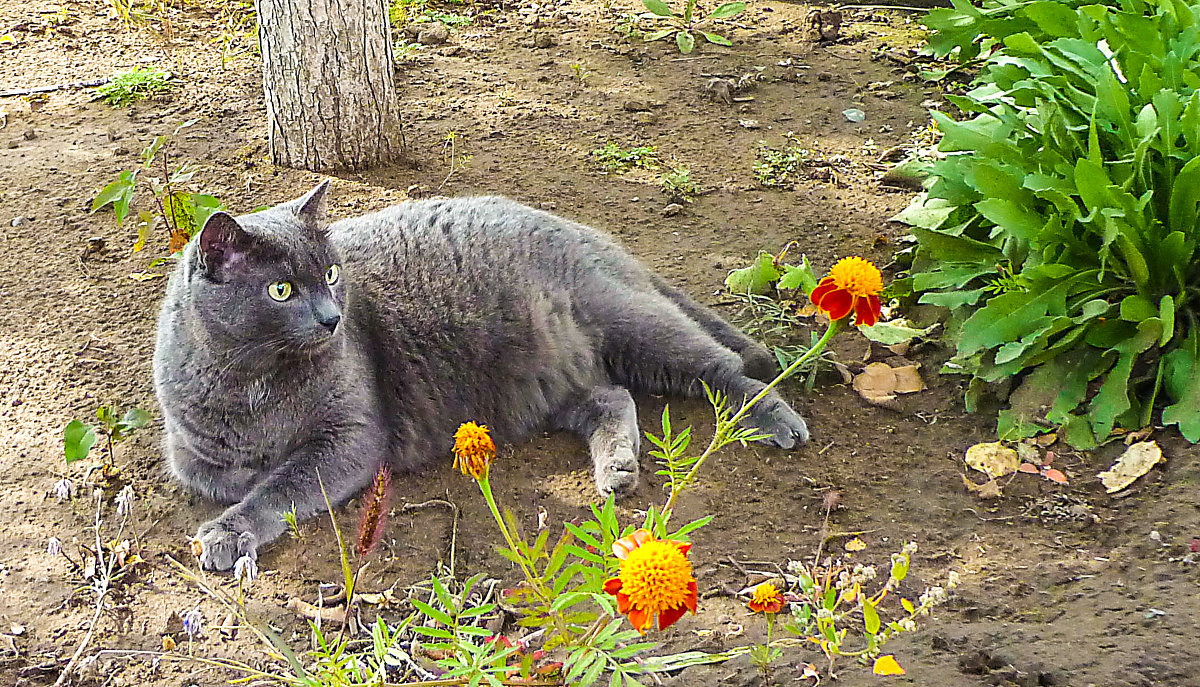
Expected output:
(685, 26)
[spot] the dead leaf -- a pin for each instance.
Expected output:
(879, 383)
(1138, 435)
(334, 614)
(1028, 468)
(810, 671)
(987, 490)
(168, 643)
(855, 544)
(144, 276)
(1135, 462)
(1047, 440)
(993, 459)
(908, 379)
(229, 627)
(1054, 475)
(1028, 453)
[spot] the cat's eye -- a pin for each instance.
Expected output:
(280, 290)
(333, 274)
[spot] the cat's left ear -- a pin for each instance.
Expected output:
(310, 207)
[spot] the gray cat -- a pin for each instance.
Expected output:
(288, 347)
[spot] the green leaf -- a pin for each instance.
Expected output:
(895, 332)
(716, 38)
(1166, 313)
(135, 418)
(658, 35)
(1136, 308)
(686, 42)
(119, 193)
(798, 277)
(870, 617)
(729, 9)
(658, 7)
(145, 222)
(1182, 378)
(755, 279)
(925, 212)
(78, 439)
(1010, 316)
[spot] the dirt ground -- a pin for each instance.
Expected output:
(1050, 596)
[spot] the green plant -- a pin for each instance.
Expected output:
(1061, 225)
(581, 74)
(136, 84)
(677, 184)
(685, 25)
(613, 158)
(78, 438)
(181, 212)
(965, 30)
(780, 167)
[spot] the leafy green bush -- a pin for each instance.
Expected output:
(135, 84)
(1061, 225)
(966, 31)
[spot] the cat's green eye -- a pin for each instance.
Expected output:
(333, 274)
(280, 290)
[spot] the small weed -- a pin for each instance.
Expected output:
(78, 438)
(403, 51)
(629, 27)
(780, 167)
(678, 185)
(450, 19)
(289, 518)
(613, 158)
(581, 74)
(136, 84)
(182, 213)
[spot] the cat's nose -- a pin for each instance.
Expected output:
(330, 322)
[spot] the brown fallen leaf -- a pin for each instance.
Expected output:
(993, 459)
(327, 614)
(988, 490)
(876, 383)
(908, 379)
(1047, 440)
(1137, 460)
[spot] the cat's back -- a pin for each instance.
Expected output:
(482, 235)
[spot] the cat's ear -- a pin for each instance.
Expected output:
(221, 240)
(310, 207)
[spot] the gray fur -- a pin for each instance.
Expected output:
(450, 310)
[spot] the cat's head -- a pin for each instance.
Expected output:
(269, 282)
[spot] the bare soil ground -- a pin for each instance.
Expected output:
(1050, 595)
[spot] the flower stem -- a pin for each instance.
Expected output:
(720, 436)
(486, 487)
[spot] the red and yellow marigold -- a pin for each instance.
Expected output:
(766, 599)
(853, 286)
(655, 580)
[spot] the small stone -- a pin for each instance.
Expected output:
(749, 124)
(434, 35)
(636, 106)
(449, 50)
(672, 210)
(543, 39)
(18, 221)
(30, 134)
(549, 205)
(120, 150)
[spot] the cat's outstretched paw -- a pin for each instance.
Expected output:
(784, 426)
(759, 363)
(223, 541)
(616, 470)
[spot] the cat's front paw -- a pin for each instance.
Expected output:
(223, 541)
(783, 426)
(616, 470)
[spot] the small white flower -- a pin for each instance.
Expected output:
(824, 614)
(245, 570)
(952, 579)
(795, 567)
(54, 546)
(63, 489)
(193, 621)
(910, 548)
(907, 624)
(124, 501)
(933, 596)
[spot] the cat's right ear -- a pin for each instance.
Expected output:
(222, 240)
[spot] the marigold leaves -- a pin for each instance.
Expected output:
(1137, 460)
(887, 665)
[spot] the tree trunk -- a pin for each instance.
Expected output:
(329, 82)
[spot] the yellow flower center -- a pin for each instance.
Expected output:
(473, 449)
(857, 276)
(655, 577)
(764, 594)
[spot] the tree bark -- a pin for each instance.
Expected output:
(329, 82)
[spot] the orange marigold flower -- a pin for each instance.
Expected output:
(767, 599)
(656, 580)
(853, 285)
(473, 449)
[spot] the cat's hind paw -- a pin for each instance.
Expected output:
(783, 426)
(223, 542)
